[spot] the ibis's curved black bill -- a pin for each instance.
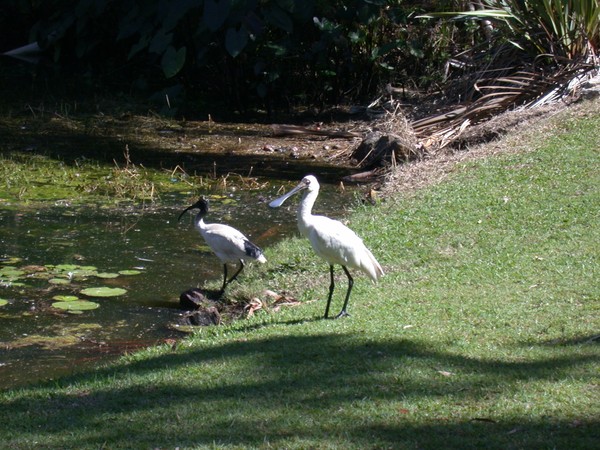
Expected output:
(201, 204)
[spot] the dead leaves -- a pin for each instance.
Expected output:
(271, 300)
(491, 96)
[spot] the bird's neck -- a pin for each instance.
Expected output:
(199, 222)
(305, 211)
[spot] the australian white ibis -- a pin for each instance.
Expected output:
(230, 245)
(331, 240)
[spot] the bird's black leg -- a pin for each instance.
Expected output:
(224, 279)
(343, 312)
(331, 286)
(238, 272)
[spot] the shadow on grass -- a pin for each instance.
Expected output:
(589, 339)
(319, 390)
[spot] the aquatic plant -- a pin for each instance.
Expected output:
(103, 291)
(72, 275)
(76, 305)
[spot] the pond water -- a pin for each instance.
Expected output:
(39, 342)
(51, 118)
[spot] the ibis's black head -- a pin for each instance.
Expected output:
(201, 204)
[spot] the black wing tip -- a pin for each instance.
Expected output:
(252, 250)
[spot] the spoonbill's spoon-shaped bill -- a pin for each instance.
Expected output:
(279, 201)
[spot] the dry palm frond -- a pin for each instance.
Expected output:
(521, 89)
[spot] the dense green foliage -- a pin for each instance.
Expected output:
(559, 29)
(274, 52)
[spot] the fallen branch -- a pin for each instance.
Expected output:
(363, 177)
(294, 130)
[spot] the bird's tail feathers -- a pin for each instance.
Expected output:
(372, 267)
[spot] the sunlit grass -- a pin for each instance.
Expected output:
(482, 334)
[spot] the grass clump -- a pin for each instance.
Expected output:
(482, 334)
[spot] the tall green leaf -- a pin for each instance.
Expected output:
(235, 40)
(172, 61)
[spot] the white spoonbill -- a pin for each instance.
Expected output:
(230, 245)
(331, 240)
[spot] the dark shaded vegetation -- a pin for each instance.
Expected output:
(244, 56)
(253, 59)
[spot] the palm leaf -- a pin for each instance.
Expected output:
(523, 89)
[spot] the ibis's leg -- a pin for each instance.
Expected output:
(224, 278)
(343, 312)
(238, 272)
(331, 286)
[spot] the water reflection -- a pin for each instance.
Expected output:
(37, 343)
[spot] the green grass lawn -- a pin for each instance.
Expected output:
(483, 333)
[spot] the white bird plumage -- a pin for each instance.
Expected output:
(229, 244)
(331, 240)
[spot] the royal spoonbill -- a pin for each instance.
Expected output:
(230, 245)
(331, 240)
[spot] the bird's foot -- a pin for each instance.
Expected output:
(342, 313)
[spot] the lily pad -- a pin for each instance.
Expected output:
(59, 281)
(76, 305)
(8, 283)
(107, 275)
(129, 272)
(83, 273)
(11, 273)
(65, 298)
(103, 292)
(66, 267)
(46, 342)
(3, 302)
